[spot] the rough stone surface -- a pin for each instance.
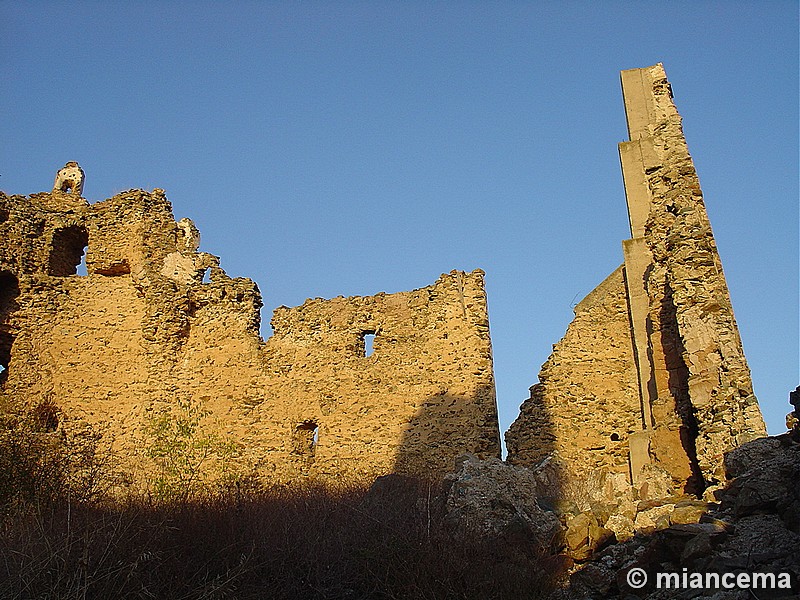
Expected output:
(650, 380)
(638, 402)
(495, 499)
(69, 179)
(141, 334)
(765, 478)
(590, 376)
(754, 529)
(793, 418)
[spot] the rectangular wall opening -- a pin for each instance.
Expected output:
(368, 343)
(306, 438)
(68, 248)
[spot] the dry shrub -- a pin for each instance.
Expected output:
(33, 466)
(43, 463)
(303, 541)
(60, 538)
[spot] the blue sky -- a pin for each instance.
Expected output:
(348, 148)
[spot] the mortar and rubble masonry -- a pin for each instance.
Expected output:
(645, 393)
(649, 387)
(142, 333)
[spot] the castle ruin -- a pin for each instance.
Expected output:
(142, 332)
(649, 384)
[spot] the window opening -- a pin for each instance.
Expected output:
(9, 291)
(68, 248)
(368, 339)
(306, 438)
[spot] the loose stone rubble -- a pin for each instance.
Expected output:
(495, 499)
(755, 528)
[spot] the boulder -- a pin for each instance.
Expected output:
(495, 499)
(766, 474)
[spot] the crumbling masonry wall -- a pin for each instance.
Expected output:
(650, 380)
(142, 333)
(587, 395)
(649, 385)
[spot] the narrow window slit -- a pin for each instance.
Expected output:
(306, 438)
(368, 343)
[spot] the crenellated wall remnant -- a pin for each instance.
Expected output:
(142, 333)
(650, 380)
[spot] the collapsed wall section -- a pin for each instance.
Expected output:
(686, 395)
(142, 335)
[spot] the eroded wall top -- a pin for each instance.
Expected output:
(650, 382)
(142, 334)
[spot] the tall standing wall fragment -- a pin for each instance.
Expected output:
(665, 389)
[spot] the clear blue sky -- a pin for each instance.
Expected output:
(346, 148)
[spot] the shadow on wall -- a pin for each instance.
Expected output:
(448, 426)
(674, 350)
(535, 439)
(509, 507)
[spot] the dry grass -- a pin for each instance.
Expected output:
(299, 542)
(60, 539)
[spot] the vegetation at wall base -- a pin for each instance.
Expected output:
(282, 542)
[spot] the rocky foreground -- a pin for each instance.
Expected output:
(751, 525)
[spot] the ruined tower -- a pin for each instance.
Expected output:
(650, 379)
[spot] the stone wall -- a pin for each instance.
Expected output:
(587, 397)
(648, 387)
(650, 379)
(142, 335)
